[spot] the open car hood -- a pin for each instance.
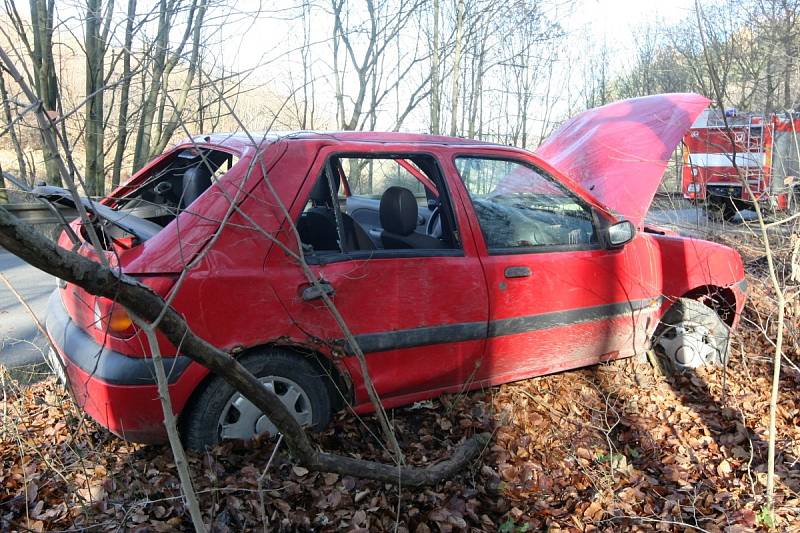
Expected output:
(618, 152)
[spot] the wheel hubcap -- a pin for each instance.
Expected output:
(689, 345)
(241, 419)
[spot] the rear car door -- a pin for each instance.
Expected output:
(419, 313)
(558, 298)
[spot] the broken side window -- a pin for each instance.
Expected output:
(378, 203)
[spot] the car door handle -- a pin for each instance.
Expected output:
(375, 232)
(517, 272)
(315, 292)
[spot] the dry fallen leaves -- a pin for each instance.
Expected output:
(587, 450)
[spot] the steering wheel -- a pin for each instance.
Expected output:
(434, 226)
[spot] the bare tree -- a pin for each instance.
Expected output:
(365, 47)
(40, 52)
(456, 76)
(98, 23)
(11, 124)
(125, 87)
(712, 64)
(164, 134)
(151, 133)
(436, 89)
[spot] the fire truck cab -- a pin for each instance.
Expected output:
(731, 159)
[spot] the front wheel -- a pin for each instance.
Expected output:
(220, 413)
(691, 335)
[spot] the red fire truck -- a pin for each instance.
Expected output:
(730, 159)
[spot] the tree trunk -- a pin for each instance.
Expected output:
(142, 149)
(770, 98)
(12, 131)
(435, 80)
(179, 105)
(477, 88)
(337, 9)
(122, 125)
(457, 69)
(788, 103)
(42, 14)
(95, 52)
(3, 192)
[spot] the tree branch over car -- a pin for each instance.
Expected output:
(128, 292)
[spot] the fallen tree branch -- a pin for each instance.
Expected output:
(29, 245)
(181, 463)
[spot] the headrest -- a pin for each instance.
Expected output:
(195, 181)
(321, 193)
(399, 211)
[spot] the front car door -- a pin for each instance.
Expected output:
(419, 313)
(558, 298)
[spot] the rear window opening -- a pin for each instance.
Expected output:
(175, 184)
(157, 197)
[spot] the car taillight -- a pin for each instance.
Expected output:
(111, 317)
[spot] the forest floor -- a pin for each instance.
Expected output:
(608, 448)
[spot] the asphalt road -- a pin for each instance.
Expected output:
(679, 215)
(695, 222)
(21, 343)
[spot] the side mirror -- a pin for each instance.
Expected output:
(621, 233)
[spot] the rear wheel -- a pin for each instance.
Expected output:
(691, 335)
(221, 413)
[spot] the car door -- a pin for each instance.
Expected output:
(558, 298)
(420, 315)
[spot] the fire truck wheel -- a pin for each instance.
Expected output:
(793, 203)
(720, 210)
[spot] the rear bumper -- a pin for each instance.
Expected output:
(117, 391)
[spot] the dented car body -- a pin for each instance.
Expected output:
(456, 264)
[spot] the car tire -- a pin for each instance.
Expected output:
(691, 335)
(793, 206)
(721, 210)
(218, 412)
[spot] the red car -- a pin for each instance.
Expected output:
(456, 263)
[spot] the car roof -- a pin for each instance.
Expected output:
(241, 141)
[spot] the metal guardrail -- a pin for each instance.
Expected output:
(38, 213)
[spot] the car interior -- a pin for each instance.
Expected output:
(175, 184)
(380, 203)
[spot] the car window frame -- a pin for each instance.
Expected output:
(522, 250)
(324, 257)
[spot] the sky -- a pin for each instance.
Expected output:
(616, 21)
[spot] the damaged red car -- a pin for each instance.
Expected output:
(457, 264)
